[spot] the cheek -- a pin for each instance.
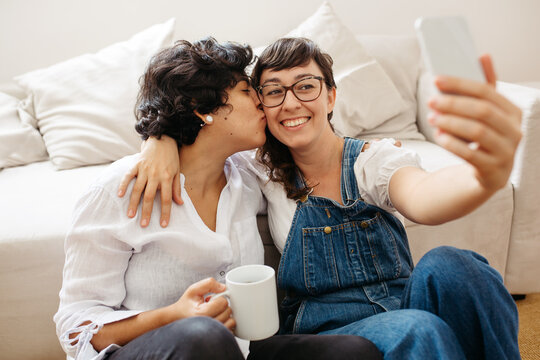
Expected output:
(271, 115)
(272, 125)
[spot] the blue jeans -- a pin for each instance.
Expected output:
(406, 334)
(454, 306)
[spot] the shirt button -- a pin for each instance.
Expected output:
(222, 273)
(327, 230)
(364, 224)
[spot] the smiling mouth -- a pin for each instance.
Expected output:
(295, 122)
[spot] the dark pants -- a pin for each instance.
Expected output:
(313, 347)
(200, 338)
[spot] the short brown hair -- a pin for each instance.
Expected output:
(185, 78)
(287, 53)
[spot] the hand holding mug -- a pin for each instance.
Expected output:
(192, 303)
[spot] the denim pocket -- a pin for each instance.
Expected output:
(380, 237)
(355, 253)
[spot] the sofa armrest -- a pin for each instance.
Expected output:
(523, 266)
(526, 170)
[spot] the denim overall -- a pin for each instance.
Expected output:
(341, 263)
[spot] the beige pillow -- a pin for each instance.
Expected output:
(20, 142)
(400, 58)
(366, 95)
(84, 106)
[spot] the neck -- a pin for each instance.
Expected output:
(321, 157)
(202, 165)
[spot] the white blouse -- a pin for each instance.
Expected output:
(116, 269)
(373, 169)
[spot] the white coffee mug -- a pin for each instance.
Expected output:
(251, 290)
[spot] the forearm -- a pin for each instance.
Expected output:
(441, 196)
(123, 331)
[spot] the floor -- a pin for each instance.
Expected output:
(529, 327)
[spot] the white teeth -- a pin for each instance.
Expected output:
(295, 122)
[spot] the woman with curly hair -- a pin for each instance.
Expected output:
(131, 293)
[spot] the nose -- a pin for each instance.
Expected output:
(290, 100)
(255, 98)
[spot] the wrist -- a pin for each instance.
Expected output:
(170, 313)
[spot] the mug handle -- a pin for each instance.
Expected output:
(210, 296)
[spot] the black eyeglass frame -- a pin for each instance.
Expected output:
(287, 88)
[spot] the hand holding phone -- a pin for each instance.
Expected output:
(448, 48)
(473, 121)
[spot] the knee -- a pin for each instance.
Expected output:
(203, 336)
(201, 329)
(449, 264)
(451, 256)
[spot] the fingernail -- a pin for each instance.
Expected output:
(163, 223)
(443, 138)
(440, 80)
(120, 193)
(432, 117)
(144, 222)
(131, 213)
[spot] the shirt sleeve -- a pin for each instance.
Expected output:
(374, 169)
(93, 286)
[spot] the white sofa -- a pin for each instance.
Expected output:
(36, 199)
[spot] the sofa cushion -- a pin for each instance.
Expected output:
(84, 106)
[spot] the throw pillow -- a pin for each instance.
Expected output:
(20, 142)
(400, 58)
(84, 106)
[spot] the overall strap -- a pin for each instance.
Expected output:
(349, 187)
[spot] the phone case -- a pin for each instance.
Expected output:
(448, 47)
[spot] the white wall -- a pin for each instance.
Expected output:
(37, 33)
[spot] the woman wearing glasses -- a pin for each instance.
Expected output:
(346, 264)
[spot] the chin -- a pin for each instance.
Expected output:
(296, 142)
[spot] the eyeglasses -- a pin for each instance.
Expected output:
(306, 89)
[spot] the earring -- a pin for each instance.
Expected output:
(209, 119)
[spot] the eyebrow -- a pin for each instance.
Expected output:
(297, 77)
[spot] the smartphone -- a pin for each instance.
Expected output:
(448, 48)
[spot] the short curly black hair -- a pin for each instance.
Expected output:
(185, 78)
